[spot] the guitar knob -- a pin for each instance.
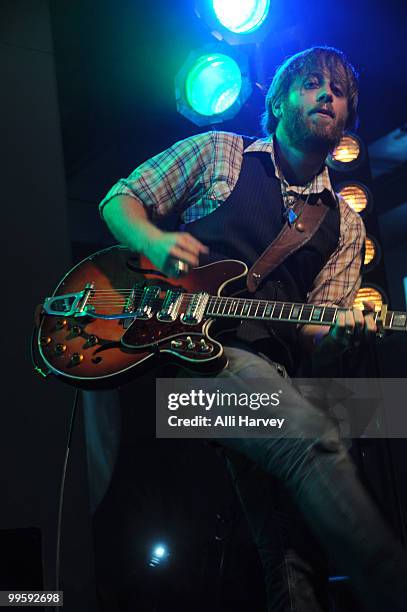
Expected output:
(190, 343)
(76, 330)
(61, 323)
(91, 341)
(76, 359)
(60, 349)
(176, 344)
(203, 346)
(45, 341)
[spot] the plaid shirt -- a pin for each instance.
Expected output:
(194, 177)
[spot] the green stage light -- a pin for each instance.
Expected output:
(213, 84)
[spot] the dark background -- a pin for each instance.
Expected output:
(87, 94)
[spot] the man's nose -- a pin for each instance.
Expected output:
(325, 96)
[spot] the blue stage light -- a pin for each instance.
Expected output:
(159, 551)
(213, 84)
(159, 554)
(338, 578)
(241, 17)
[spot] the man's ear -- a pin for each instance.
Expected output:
(276, 108)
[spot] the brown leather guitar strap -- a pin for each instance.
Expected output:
(290, 239)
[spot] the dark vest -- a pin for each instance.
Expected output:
(243, 226)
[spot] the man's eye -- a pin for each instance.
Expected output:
(337, 91)
(311, 84)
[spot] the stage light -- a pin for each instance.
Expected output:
(370, 293)
(348, 154)
(372, 253)
(158, 555)
(237, 22)
(213, 84)
(241, 17)
(356, 195)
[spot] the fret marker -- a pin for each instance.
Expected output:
(295, 312)
(399, 320)
(316, 315)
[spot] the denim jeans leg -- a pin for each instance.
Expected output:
(314, 467)
(295, 567)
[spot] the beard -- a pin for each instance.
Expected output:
(308, 135)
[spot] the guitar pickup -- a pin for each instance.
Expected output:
(170, 307)
(145, 309)
(196, 309)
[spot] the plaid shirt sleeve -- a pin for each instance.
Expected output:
(191, 177)
(168, 179)
(339, 280)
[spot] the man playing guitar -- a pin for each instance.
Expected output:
(234, 195)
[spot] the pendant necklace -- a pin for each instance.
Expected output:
(289, 201)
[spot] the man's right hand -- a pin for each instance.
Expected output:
(168, 248)
(127, 219)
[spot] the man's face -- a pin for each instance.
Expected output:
(314, 113)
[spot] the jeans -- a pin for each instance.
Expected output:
(314, 474)
(295, 566)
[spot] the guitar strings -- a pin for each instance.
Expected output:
(112, 298)
(188, 296)
(226, 302)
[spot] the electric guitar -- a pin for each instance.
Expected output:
(113, 315)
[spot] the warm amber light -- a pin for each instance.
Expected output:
(370, 251)
(347, 151)
(355, 196)
(368, 294)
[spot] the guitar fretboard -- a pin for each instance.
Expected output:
(243, 308)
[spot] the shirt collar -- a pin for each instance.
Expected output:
(322, 181)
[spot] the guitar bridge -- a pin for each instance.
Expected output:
(129, 307)
(145, 308)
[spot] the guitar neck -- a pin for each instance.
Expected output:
(289, 312)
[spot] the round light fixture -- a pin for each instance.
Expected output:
(357, 195)
(370, 293)
(241, 17)
(348, 154)
(213, 84)
(372, 253)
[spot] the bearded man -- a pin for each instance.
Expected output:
(233, 196)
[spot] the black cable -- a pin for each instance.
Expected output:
(45, 374)
(62, 490)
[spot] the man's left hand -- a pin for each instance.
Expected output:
(353, 326)
(350, 329)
